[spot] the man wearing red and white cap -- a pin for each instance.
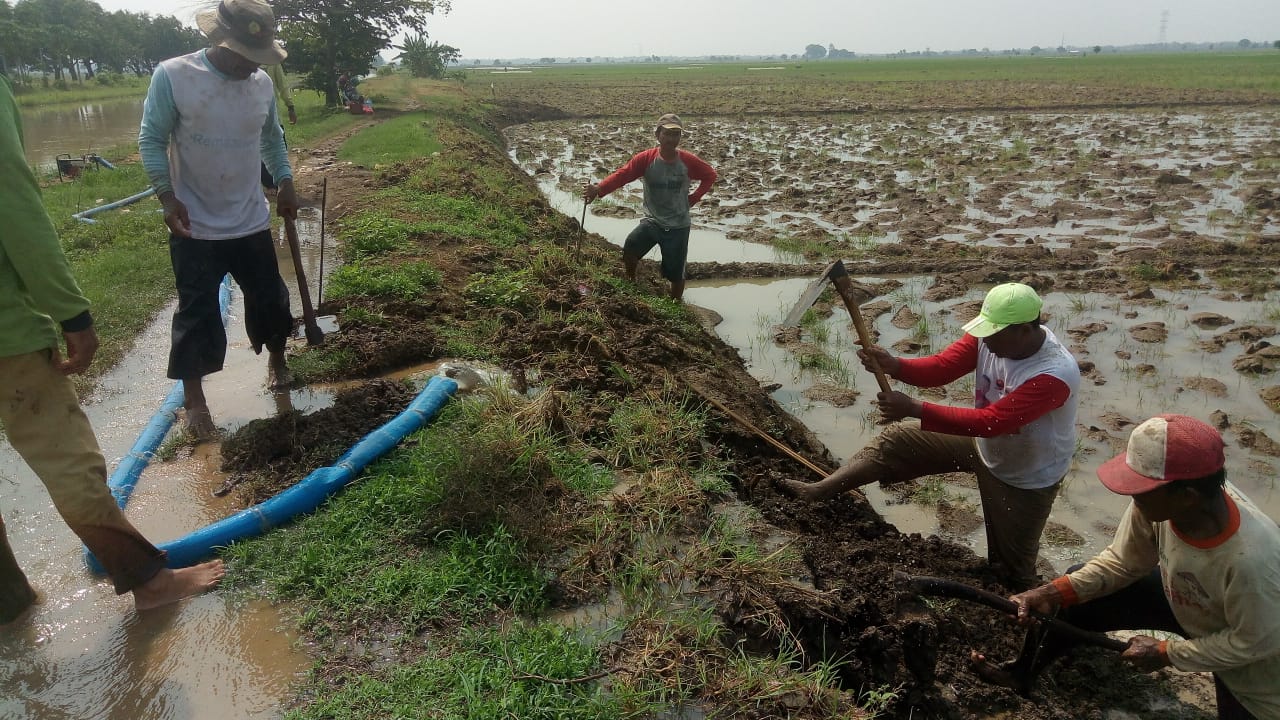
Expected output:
(1192, 556)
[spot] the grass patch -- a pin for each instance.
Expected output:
(390, 141)
(406, 281)
(372, 233)
(126, 243)
(525, 671)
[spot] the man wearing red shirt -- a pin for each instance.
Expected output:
(1018, 439)
(667, 173)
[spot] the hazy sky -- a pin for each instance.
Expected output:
(564, 28)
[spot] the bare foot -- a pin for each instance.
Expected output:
(1004, 674)
(812, 492)
(21, 616)
(169, 586)
(200, 423)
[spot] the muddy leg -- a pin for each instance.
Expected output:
(199, 419)
(677, 290)
(630, 263)
(278, 375)
(854, 475)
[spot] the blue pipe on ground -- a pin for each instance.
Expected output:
(311, 491)
(125, 477)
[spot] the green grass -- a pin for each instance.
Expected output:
(36, 94)
(524, 671)
(406, 282)
(393, 140)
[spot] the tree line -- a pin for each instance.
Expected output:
(78, 40)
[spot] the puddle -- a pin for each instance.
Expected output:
(85, 653)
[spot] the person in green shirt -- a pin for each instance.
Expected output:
(39, 410)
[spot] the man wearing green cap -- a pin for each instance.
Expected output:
(1018, 438)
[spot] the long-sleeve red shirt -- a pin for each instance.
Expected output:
(1030, 400)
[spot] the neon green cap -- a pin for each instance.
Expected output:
(1005, 305)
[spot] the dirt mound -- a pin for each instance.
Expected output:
(266, 456)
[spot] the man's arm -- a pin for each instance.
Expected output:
(276, 73)
(29, 240)
(274, 153)
(702, 172)
(159, 118)
(633, 170)
(1038, 396)
(958, 359)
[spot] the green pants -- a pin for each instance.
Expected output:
(45, 424)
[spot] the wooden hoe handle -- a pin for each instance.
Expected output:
(844, 287)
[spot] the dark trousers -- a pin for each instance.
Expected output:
(1140, 606)
(199, 341)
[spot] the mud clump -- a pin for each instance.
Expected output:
(268, 455)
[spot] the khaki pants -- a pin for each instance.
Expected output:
(45, 424)
(1014, 517)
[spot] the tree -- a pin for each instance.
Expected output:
(1276, 44)
(426, 59)
(1245, 44)
(814, 52)
(325, 37)
(1097, 49)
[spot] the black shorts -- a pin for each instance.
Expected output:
(199, 341)
(674, 244)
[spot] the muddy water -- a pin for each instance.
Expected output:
(85, 653)
(797, 176)
(77, 130)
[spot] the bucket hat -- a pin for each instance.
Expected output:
(246, 27)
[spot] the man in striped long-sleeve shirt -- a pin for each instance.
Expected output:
(1018, 438)
(667, 172)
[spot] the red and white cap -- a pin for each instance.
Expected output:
(1163, 449)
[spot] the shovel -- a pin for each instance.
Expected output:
(850, 294)
(315, 336)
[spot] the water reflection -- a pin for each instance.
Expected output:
(78, 130)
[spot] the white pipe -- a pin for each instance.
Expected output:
(83, 216)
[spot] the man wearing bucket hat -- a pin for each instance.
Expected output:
(209, 123)
(667, 172)
(1018, 439)
(1191, 556)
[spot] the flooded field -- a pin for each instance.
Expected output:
(1079, 205)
